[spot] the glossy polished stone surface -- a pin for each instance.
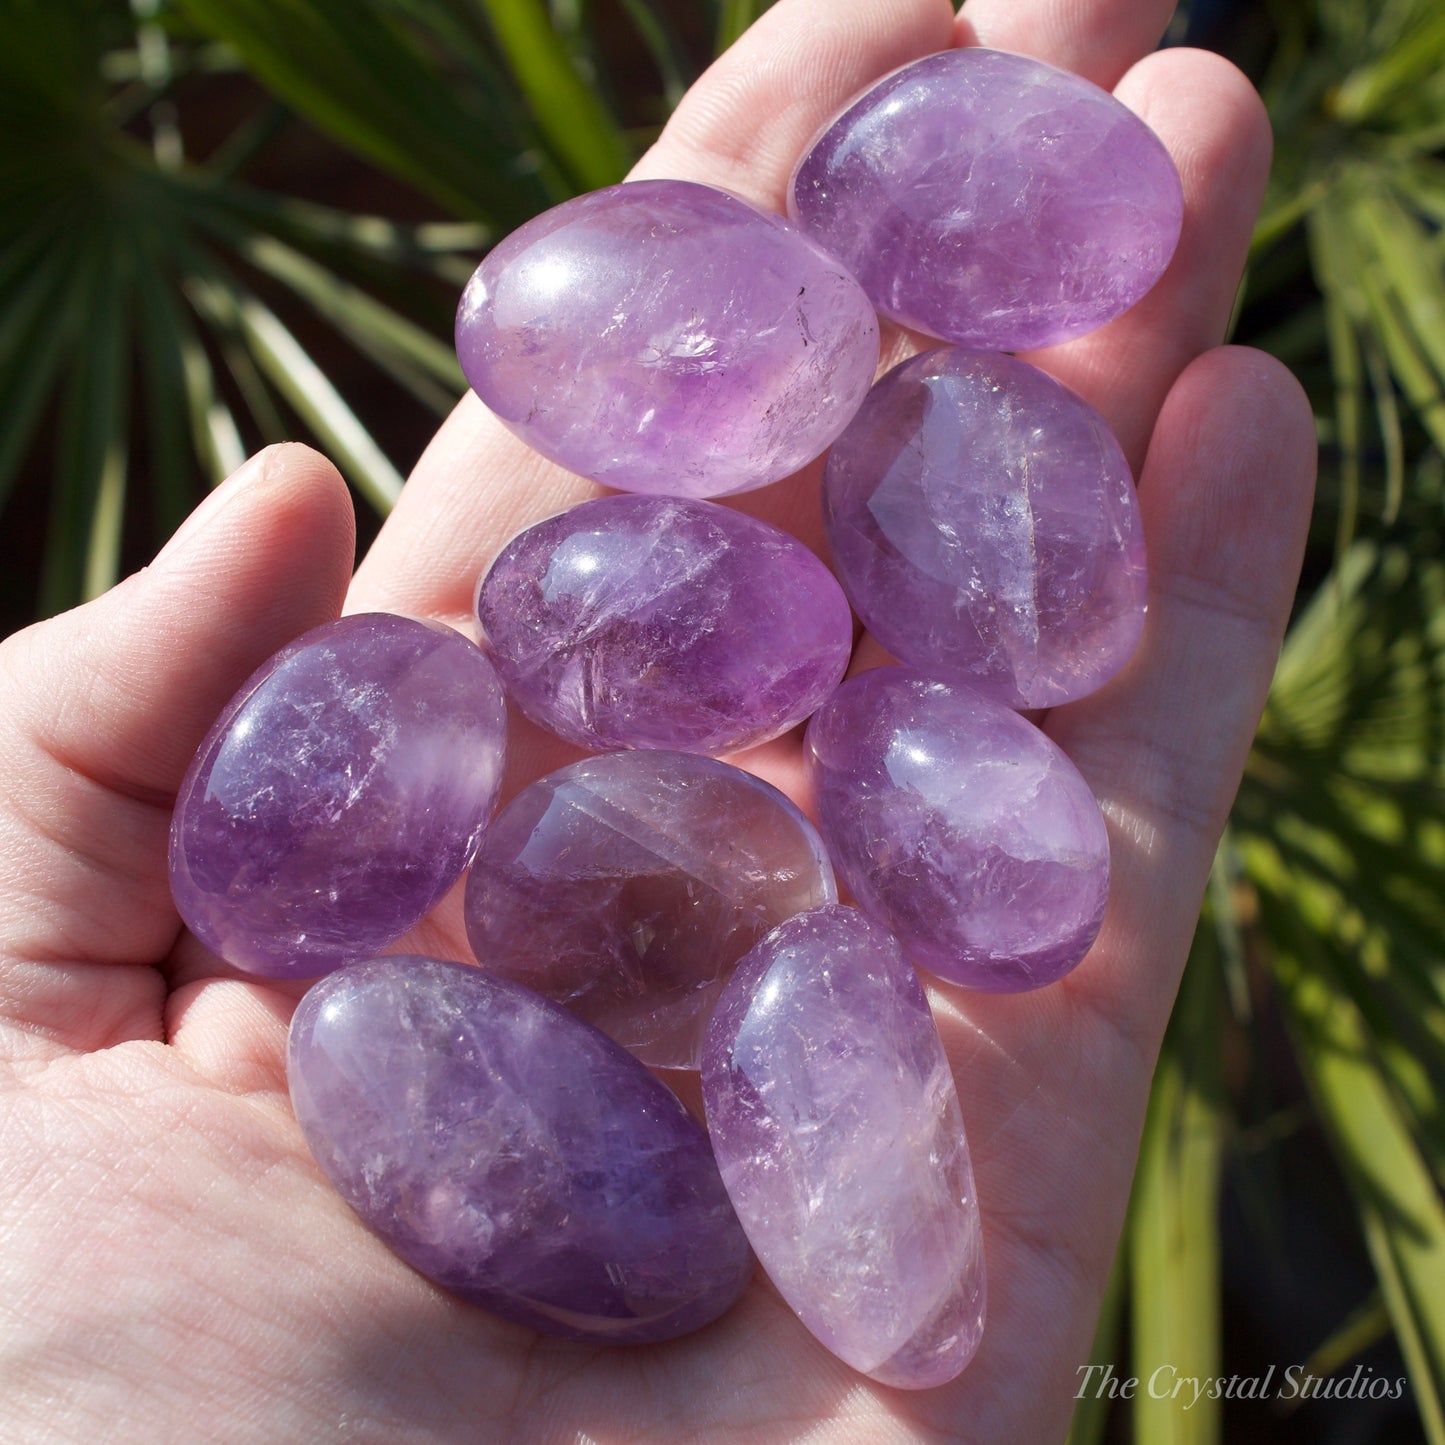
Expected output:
(960, 826)
(984, 524)
(513, 1154)
(836, 1125)
(628, 886)
(668, 337)
(654, 622)
(339, 795)
(992, 200)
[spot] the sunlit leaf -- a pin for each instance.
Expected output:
(83, 539)
(1173, 1229)
(366, 78)
(734, 16)
(1092, 1395)
(582, 132)
(1398, 1199)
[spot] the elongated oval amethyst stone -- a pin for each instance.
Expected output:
(512, 1153)
(338, 796)
(992, 200)
(654, 622)
(628, 886)
(836, 1125)
(668, 337)
(959, 825)
(983, 522)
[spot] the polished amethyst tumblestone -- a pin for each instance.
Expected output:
(628, 886)
(668, 337)
(655, 622)
(836, 1125)
(512, 1153)
(992, 200)
(338, 796)
(984, 524)
(963, 828)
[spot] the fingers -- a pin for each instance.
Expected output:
(105, 706)
(124, 688)
(1226, 495)
(1099, 39)
(1215, 127)
(1055, 1082)
(749, 119)
(743, 126)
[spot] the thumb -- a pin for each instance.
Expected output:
(103, 708)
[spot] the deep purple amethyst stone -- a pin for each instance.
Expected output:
(960, 826)
(992, 200)
(655, 622)
(668, 337)
(628, 886)
(338, 796)
(983, 521)
(513, 1154)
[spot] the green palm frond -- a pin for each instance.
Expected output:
(1358, 101)
(1172, 1234)
(150, 305)
(1341, 829)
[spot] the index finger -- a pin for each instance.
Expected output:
(1098, 39)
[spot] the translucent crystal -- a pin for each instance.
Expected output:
(339, 795)
(992, 200)
(983, 522)
(959, 825)
(628, 886)
(836, 1125)
(668, 337)
(512, 1153)
(653, 622)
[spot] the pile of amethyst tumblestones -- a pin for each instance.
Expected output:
(499, 1127)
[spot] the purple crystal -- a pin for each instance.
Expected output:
(984, 524)
(512, 1153)
(628, 886)
(338, 796)
(962, 827)
(992, 200)
(651, 622)
(667, 337)
(836, 1125)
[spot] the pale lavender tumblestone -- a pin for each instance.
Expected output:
(339, 795)
(963, 828)
(992, 200)
(512, 1153)
(628, 886)
(668, 337)
(983, 521)
(656, 622)
(836, 1126)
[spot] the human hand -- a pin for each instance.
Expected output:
(175, 1267)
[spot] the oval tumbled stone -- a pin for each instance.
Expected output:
(339, 795)
(836, 1125)
(668, 337)
(655, 622)
(992, 200)
(963, 828)
(628, 886)
(513, 1154)
(983, 521)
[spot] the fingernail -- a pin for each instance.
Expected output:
(249, 474)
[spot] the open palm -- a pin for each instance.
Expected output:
(174, 1265)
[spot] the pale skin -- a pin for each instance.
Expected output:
(172, 1264)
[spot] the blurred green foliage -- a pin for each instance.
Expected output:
(163, 312)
